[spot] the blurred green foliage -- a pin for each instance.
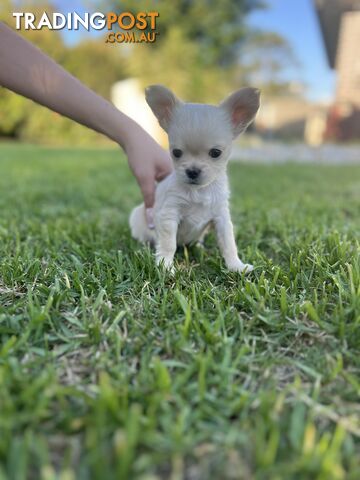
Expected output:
(197, 52)
(216, 27)
(204, 50)
(92, 61)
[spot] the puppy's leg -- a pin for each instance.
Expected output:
(226, 241)
(200, 240)
(166, 242)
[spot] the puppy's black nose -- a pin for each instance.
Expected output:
(193, 173)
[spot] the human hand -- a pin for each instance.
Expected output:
(29, 72)
(149, 163)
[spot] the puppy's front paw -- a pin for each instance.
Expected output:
(166, 263)
(241, 267)
(247, 268)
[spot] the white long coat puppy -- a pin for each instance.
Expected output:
(196, 194)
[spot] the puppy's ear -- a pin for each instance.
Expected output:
(242, 107)
(162, 102)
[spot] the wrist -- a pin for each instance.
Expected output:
(119, 127)
(131, 135)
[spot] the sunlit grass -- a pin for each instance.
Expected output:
(111, 370)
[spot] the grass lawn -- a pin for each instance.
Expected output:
(110, 369)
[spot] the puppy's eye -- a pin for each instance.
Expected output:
(215, 153)
(177, 152)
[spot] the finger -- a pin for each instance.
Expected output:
(164, 171)
(163, 174)
(149, 214)
(147, 186)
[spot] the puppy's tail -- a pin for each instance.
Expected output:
(139, 228)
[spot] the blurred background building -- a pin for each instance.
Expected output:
(340, 26)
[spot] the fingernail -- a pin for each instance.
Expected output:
(149, 212)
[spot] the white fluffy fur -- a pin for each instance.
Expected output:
(184, 210)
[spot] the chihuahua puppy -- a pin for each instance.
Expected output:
(196, 195)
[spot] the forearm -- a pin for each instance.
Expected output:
(26, 70)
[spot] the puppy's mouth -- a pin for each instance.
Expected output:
(199, 181)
